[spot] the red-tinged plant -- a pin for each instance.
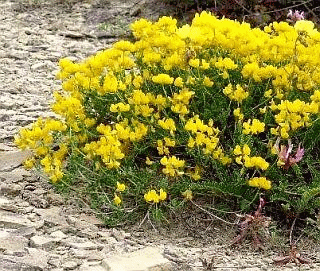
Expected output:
(293, 257)
(254, 226)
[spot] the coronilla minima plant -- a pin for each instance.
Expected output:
(211, 109)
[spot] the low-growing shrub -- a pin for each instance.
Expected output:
(212, 110)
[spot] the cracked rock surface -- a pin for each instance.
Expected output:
(40, 229)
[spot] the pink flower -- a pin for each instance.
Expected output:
(295, 16)
(286, 159)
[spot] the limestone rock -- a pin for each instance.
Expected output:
(10, 189)
(11, 160)
(141, 260)
(12, 244)
(41, 241)
(13, 221)
(85, 245)
(70, 265)
(86, 267)
(58, 235)
(52, 216)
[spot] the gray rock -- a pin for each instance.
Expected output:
(11, 160)
(70, 265)
(143, 260)
(58, 235)
(25, 231)
(52, 216)
(11, 244)
(86, 267)
(88, 245)
(10, 189)
(13, 221)
(40, 241)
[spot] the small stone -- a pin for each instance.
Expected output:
(87, 267)
(11, 176)
(11, 244)
(85, 245)
(25, 232)
(13, 221)
(79, 253)
(55, 199)
(54, 260)
(119, 234)
(144, 259)
(36, 258)
(38, 66)
(58, 235)
(70, 265)
(4, 201)
(10, 189)
(40, 241)
(5, 147)
(11, 160)
(91, 219)
(52, 216)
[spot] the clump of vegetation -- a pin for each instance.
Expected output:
(255, 226)
(215, 109)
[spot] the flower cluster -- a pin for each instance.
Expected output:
(243, 158)
(153, 196)
(292, 116)
(253, 127)
(172, 165)
(182, 102)
(238, 94)
(260, 182)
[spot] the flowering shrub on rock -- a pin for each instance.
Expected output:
(208, 110)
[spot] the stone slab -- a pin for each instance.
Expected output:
(11, 160)
(11, 244)
(13, 221)
(145, 259)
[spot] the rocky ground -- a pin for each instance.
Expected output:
(41, 230)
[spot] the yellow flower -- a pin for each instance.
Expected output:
(237, 113)
(207, 82)
(237, 150)
(29, 163)
(152, 196)
(162, 195)
(148, 161)
(238, 94)
(187, 195)
(163, 79)
(167, 124)
(178, 82)
(117, 200)
(110, 84)
(195, 63)
(196, 174)
(260, 182)
(255, 128)
(121, 187)
(246, 149)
